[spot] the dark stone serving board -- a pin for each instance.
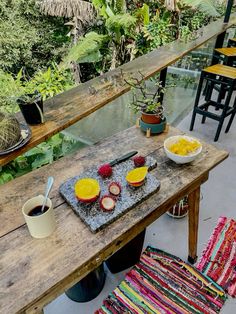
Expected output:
(91, 214)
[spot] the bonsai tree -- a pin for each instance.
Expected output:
(144, 100)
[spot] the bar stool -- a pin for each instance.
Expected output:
(232, 42)
(224, 76)
(226, 55)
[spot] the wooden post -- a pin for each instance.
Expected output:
(148, 132)
(193, 201)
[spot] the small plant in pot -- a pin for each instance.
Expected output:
(31, 106)
(148, 103)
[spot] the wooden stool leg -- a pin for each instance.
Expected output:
(193, 217)
(197, 101)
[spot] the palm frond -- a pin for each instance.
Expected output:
(67, 8)
(206, 6)
(86, 50)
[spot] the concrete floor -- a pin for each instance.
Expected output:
(218, 198)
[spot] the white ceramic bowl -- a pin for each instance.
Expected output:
(178, 158)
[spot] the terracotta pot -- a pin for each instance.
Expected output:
(151, 118)
(155, 128)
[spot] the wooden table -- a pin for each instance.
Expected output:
(34, 272)
(71, 106)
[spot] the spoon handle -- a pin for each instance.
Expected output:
(47, 191)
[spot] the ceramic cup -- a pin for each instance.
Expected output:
(43, 225)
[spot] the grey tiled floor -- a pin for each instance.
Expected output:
(218, 198)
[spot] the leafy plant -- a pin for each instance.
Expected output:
(28, 39)
(86, 50)
(56, 147)
(48, 83)
(159, 32)
(144, 100)
(120, 24)
(206, 6)
(51, 82)
(9, 88)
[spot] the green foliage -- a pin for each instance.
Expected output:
(206, 6)
(51, 82)
(86, 50)
(143, 99)
(159, 32)
(142, 14)
(121, 24)
(108, 8)
(57, 146)
(29, 39)
(10, 87)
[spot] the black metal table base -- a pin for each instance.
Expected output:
(89, 287)
(127, 256)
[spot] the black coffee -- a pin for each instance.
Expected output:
(36, 211)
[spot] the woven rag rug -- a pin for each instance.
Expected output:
(163, 283)
(218, 260)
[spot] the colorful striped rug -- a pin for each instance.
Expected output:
(218, 260)
(163, 283)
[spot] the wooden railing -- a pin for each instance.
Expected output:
(71, 106)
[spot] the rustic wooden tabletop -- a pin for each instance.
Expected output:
(33, 272)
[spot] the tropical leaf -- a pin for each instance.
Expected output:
(121, 21)
(206, 6)
(143, 14)
(86, 50)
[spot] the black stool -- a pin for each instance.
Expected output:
(224, 76)
(226, 55)
(232, 42)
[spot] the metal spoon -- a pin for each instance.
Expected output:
(47, 191)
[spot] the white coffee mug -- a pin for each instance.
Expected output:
(43, 225)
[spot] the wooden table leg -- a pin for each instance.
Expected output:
(193, 201)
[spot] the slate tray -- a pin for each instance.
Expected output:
(91, 214)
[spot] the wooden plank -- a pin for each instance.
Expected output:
(223, 70)
(77, 103)
(227, 51)
(52, 263)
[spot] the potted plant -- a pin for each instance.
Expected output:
(180, 209)
(149, 104)
(31, 106)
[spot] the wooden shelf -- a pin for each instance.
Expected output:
(71, 106)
